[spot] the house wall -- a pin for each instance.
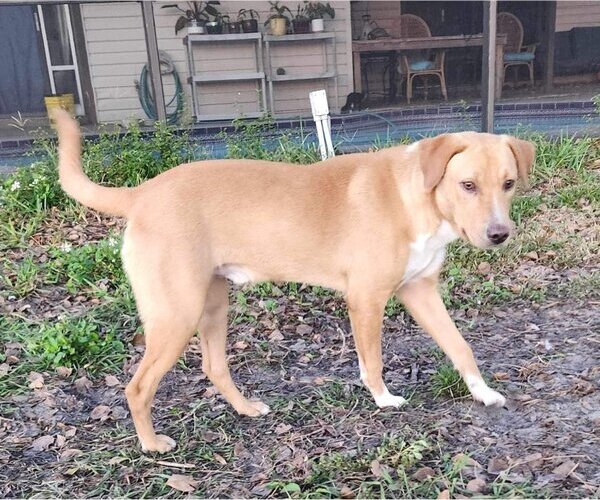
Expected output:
(573, 13)
(117, 52)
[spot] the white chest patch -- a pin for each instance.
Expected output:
(427, 252)
(237, 274)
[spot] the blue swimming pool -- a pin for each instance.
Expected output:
(359, 131)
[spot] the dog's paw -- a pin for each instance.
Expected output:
(161, 444)
(387, 399)
(254, 409)
(481, 392)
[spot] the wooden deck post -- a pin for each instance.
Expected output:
(153, 60)
(549, 30)
(488, 76)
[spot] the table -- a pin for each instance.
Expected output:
(432, 42)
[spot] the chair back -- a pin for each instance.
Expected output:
(508, 24)
(409, 26)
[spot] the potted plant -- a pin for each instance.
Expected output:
(249, 20)
(278, 21)
(316, 11)
(301, 22)
(195, 16)
(215, 27)
(231, 26)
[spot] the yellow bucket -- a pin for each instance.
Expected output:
(68, 103)
(63, 101)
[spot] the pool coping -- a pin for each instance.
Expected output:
(12, 147)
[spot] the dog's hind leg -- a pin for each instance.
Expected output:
(170, 291)
(213, 338)
(366, 316)
(424, 303)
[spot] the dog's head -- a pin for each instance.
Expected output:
(473, 178)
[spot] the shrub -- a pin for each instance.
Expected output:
(75, 343)
(86, 265)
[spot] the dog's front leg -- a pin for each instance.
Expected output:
(366, 316)
(423, 301)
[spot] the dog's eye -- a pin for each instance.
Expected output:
(508, 185)
(469, 186)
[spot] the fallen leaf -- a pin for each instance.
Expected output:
(423, 473)
(276, 336)
(42, 443)
(181, 482)
(64, 371)
(497, 465)
(210, 392)
(444, 495)
(376, 468)
(100, 412)
(484, 267)
(240, 345)
(70, 452)
(303, 329)
(501, 376)
(476, 485)
(4, 367)
(219, 459)
(532, 255)
(138, 340)
(36, 380)
(346, 492)
(282, 428)
(111, 381)
(60, 441)
(83, 384)
(564, 469)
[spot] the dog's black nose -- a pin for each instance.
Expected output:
(497, 233)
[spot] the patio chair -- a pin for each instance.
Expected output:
(418, 64)
(515, 53)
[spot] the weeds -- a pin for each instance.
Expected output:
(446, 381)
(77, 343)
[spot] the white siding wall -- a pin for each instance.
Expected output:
(117, 53)
(572, 13)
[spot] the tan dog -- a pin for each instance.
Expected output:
(369, 225)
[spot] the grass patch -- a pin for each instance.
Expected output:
(446, 381)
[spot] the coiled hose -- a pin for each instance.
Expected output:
(145, 93)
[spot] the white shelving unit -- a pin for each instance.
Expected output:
(330, 61)
(196, 78)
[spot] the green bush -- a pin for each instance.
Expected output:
(75, 343)
(32, 189)
(84, 266)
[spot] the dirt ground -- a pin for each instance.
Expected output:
(71, 436)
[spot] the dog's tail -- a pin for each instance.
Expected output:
(114, 201)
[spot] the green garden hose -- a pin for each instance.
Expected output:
(145, 94)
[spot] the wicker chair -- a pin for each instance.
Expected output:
(411, 26)
(515, 53)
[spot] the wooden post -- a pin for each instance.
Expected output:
(153, 60)
(488, 80)
(549, 29)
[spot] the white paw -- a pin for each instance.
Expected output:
(160, 444)
(387, 399)
(481, 392)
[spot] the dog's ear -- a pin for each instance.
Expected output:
(524, 152)
(434, 155)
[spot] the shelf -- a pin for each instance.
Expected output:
(221, 38)
(310, 76)
(227, 77)
(297, 38)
